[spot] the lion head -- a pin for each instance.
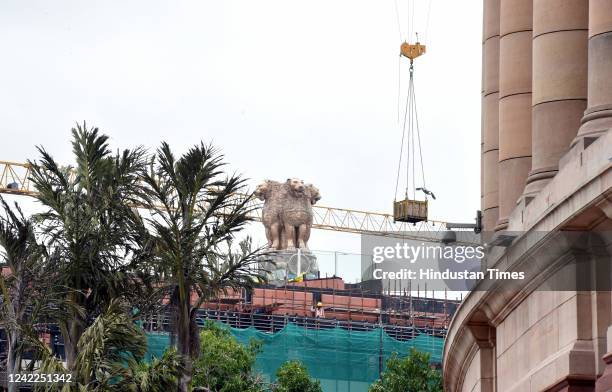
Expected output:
(313, 193)
(296, 186)
(262, 190)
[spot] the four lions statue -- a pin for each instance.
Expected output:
(287, 212)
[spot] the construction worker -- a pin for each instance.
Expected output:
(319, 311)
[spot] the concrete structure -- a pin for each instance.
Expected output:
(555, 192)
(490, 114)
(515, 23)
(598, 116)
(559, 83)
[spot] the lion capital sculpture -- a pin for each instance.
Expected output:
(287, 212)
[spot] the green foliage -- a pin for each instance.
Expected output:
(293, 376)
(25, 294)
(98, 251)
(161, 375)
(224, 365)
(110, 358)
(410, 374)
(109, 341)
(87, 227)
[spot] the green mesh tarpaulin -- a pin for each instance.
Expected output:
(343, 360)
(156, 345)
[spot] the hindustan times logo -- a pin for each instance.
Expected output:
(412, 253)
(430, 274)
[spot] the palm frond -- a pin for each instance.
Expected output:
(112, 338)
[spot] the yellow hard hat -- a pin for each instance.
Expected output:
(319, 304)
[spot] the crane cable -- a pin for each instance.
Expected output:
(416, 119)
(412, 18)
(399, 165)
(399, 63)
(399, 25)
(411, 121)
(427, 23)
(410, 21)
(410, 127)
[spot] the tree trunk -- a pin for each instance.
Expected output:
(185, 382)
(184, 344)
(13, 360)
(71, 331)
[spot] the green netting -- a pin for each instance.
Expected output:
(156, 344)
(343, 360)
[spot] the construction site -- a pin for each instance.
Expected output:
(313, 315)
(324, 309)
(174, 246)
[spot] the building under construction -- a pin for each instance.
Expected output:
(365, 302)
(346, 346)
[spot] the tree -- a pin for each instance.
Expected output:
(160, 375)
(111, 358)
(16, 238)
(293, 376)
(25, 294)
(410, 374)
(111, 339)
(195, 217)
(225, 365)
(88, 227)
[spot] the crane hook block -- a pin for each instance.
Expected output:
(412, 51)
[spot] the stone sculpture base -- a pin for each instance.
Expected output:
(281, 266)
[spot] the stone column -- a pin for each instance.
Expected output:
(485, 339)
(598, 116)
(490, 114)
(559, 84)
(514, 103)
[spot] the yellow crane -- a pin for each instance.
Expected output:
(14, 180)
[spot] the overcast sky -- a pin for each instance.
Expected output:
(285, 88)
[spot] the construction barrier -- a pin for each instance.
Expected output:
(342, 359)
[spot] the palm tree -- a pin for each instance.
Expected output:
(160, 375)
(195, 217)
(111, 358)
(88, 226)
(24, 290)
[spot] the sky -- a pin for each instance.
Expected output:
(284, 88)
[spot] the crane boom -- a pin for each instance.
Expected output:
(14, 180)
